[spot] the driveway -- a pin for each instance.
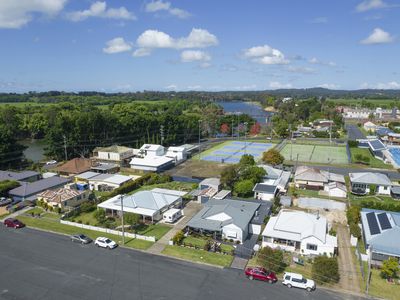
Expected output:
(347, 268)
(38, 265)
(354, 133)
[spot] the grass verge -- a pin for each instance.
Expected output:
(198, 255)
(373, 162)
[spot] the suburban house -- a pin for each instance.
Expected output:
(151, 150)
(369, 126)
(152, 163)
(65, 198)
(74, 166)
(149, 204)
(377, 147)
(208, 188)
(108, 182)
(315, 179)
(119, 155)
(336, 189)
(30, 190)
(276, 181)
(178, 154)
(27, 176)
(190, 149)
(381, 234)
(362, 182)
(298, 231)
(230, 219)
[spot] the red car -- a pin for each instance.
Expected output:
(260, 274)
(14, 223)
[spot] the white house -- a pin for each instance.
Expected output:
(177, 153)
(229, 219)
(297, 231)
(114, 154)
(274, 182)
(336, 189)
(149, 204)
(151, 150)
(369, 126)
(152, 163)
(362, 182)
(108, 181)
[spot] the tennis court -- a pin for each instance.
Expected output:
(315, 153)
(232, 151)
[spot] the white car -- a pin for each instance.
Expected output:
(51, 162)
(298, 281)
(105, 243)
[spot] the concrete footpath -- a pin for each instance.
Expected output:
(189, 211)
(16, 214)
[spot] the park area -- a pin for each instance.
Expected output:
(232, 151)
(315, 154)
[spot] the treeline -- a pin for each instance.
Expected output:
(76, 129)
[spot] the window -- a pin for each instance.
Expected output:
(312, 247)
(297, 280)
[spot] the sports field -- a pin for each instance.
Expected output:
(315, 153)
(232, 151)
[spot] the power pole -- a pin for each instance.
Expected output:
(162, 134)
(245, 137)
(330, 133)
(199, 138)
(291, 141)
(369, 269)
(65, 147)
(232, 128)
(122, 218)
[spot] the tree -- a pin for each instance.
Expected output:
(355, 230)
(100, 215)
(273, 157)
(224, 128)
(253, 173)
(325, 269)
(244, 188)
(6, 186)
(178, 238)
(247, 160)
(390, 268)
(372, 189)
(229, 176)
(271, 259)
(353, 214)
(255, 128)
(132, 219)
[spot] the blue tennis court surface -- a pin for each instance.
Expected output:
(233, 151)
(395, 152)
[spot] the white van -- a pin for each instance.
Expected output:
(298, 281)
(171, 215)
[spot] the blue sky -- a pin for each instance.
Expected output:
(134, 45)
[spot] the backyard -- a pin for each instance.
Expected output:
(373, 162)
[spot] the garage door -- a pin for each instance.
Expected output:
(255, 229)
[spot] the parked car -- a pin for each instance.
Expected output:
(14, 223)
(81, 238)
(5, 201)
(51, 162)
(105, 243)
(260, 274)
(298, 281)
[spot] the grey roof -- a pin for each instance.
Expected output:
(370, 178)
(240, 213)
(265, 188)
(395, 189)
(376, 145)
(18, 176)
(210, 181)
(104, 167)
(312, 174)
(387, 241)
(29, 189)
(272, 173)
(383, 131)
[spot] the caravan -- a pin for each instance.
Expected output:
(171, 215)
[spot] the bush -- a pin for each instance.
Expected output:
(332, 232)
(244, 188)
(353, 214)
(178, 238)
(352, 144)
(355, 230)
(88, 206)
(100, 215)
(390, 268)
(207, 246)
(372, 189)
(271, 259)
(273, 157)
(80, 221)
(325, 270)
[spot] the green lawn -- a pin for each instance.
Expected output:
(198, 255)
(382, 289)
(173, 185)
(156, 230)
(56, 226)
(376, 198)
(311, 194)
(201, 242)
(36, 211)
(373, 162)
(86, 218)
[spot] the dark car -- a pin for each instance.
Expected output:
(14, 223)
(5, 201)
(81, 238)
(260, 274)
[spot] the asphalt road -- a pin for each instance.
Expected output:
(393, 175)
(40, 265)
(354, 133)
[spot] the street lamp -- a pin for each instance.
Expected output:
(121, 197)
(245, 137)
(199, 138)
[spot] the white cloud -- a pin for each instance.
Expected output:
(117, 45)
(278, 85)
(265, 55)
(154, 39)
(99, 9)
(378, 36)
(391, 85)
(195, 55)
(249, 87)
(17, 13)
(330, 86)
(141, 52)
(159, 5)
(171, 87)
(316, 61)
(370, 5)
(301, 70)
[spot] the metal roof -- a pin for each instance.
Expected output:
(370, 178)
(265, 188)
(29, 189)
(376, 145)
(18, 176)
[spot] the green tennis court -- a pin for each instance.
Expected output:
(315, 153)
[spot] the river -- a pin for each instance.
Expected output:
(35, 150)
(252, 109)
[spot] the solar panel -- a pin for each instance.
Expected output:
(384, 221)
(373, 223)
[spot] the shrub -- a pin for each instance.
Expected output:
(207, 246)
(352, 144)
(355, 230)
(273, 157)
(80, 221)
(332, 232)
(325, 269)
(87, 207)
(372, 189)
(178, 238)
(244, 188)
(271, 259)
(100, 215)
(390, 268)
(87, 223)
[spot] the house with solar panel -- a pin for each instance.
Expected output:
(362, 183)
(381, 234)
(377, 147)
